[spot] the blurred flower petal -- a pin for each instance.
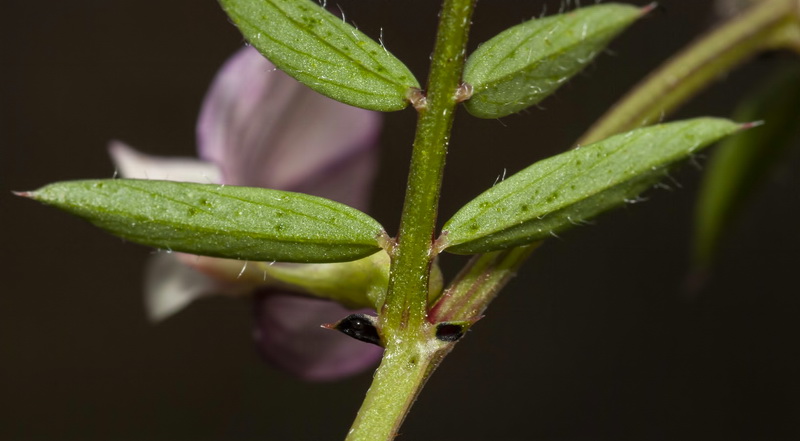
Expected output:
(136, 165)
(288, 335)
(170, 286)
(348, 181)
(260, 128)
(264, 129)
(237, 273)
(174, 280)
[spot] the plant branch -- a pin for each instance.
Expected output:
(767, 25)
(478, 284)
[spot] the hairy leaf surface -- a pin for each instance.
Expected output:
(222, 221)
(323, 52)
(562, 191)
(524, 64)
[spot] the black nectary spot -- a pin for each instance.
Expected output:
(360, 327)
(449, 331)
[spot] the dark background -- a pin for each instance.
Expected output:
(596, 339)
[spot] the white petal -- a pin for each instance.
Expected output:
(136, 165)
(170, 286)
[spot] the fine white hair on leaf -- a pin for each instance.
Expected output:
(662, 186)
(636, 200)
(695, 159)
(500, 178)
(580, 222)
(674, 181)
(244, 267)
(380, 40)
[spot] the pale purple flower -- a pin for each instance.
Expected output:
(258, 127)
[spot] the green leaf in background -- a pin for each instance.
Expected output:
(222, 221)
(562, 191)
(740, 163)
(323, 52)
(524, 64)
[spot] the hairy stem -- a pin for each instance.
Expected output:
(412, 351)
(478, 284)
(406, 300)
(769, 24)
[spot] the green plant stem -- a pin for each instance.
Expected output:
(406, 368)
(767, 25)
(406, 300)
(478, 284)
(412, 351)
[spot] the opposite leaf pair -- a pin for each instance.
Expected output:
(269, 225)
(512, 71)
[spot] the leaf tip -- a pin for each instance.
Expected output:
(751, 124)
(646, 9)
(25, 194)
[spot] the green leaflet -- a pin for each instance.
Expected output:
(739, 164)
(562, 191)
(221, 221)
(323, 52)
(524, 64)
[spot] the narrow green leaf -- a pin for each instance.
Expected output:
(323, 52)
(222, 221)
(742, 162)
(524, 64)
(562, 191)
